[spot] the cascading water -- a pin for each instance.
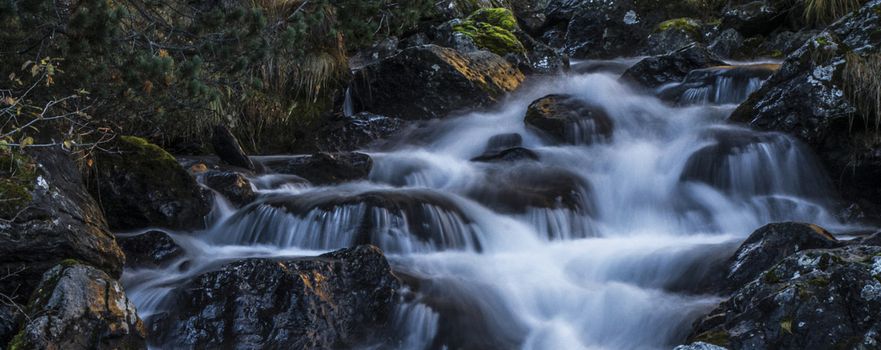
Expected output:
(586, 247)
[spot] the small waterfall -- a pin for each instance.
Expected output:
(592, 245)
(348, 104)
(718, 85)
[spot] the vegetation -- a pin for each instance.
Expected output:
(827, 11)
(687, 25)
(862, 86)
(169, 69)
(17, 180)
(493, 30)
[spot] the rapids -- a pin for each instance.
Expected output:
(490, 266)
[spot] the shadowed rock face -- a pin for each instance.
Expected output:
(718, 85)
(336, 300)
(140, 185)
(233, 186)
(61, 221)
(426, 82)
(78, 306)
(149, 250)
(652, 72)
(567, 119)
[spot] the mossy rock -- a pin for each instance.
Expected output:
(17, 178)
(492, 30)
(499, 17)
(140, 185)
(688, 25)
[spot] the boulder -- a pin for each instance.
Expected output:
(769, 245)
(10, 316)
(325, 168)
(77, 306)
(825, 94)
(726, 44)
(567, 119)
(430, 81)
(57, 220)
(501, 142)
(336, 300)
(228, 148)
(140, 185)
(233, 186)
(348, 133)
(516, 188)
(752, 18)
(813, 299)
(653, 72)
(672, 35)
(718, 85)
(151, 249)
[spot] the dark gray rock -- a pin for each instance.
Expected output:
(726, 44)
(756, 17)
(61, 221)
(228, 148)
(515, 154)
(567, 119)
(771, 244)
(140, 185)
(430, 81)
(325, 168)
(151, 249)
(653, 72)
(350, 133)
(336, 300)
(813, 299)
(77, 306)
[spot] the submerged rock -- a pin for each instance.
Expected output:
(718, 85)
(821, 94)
(59, 221)
(140, 185)
(77, 306)
(325, 168)
(336, 300)
(652, 72)
(151, 249)
(430, 81)
(517, 188)
(349, 133)
(568, 119)
(508, 155)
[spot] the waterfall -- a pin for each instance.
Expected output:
(589, 246)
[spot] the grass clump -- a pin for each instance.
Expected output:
(862, 86)
(827, 11)
(492, 30)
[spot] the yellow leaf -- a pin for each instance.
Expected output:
(35, 69)
(68, 144)
(27, 141)
(163, 53)
(787, 326)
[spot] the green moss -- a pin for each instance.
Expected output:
(716, 337)
(499, 17)
(18, 342)
(143, 158)
(771, 277)
(688, 25)
(17, 178)
(819, 282)
(489, 37)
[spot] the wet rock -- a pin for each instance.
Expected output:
(77, 306)
(431, 82)
(726, 44)
(699, 346)
(9, 320)
(652, 72)
(755, 17)
(336, 300)
(515, 154)
(152, 249)
(385, 48)
(349, 133)
(771, 244)
(233, 186)
(228, 148)
(673, 35)
(140, 185)
(819, 95)
(813, 299)
(325, 168)
(60, 220)
(718, 85)
(567, 119)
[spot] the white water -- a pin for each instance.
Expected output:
(673, 189)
